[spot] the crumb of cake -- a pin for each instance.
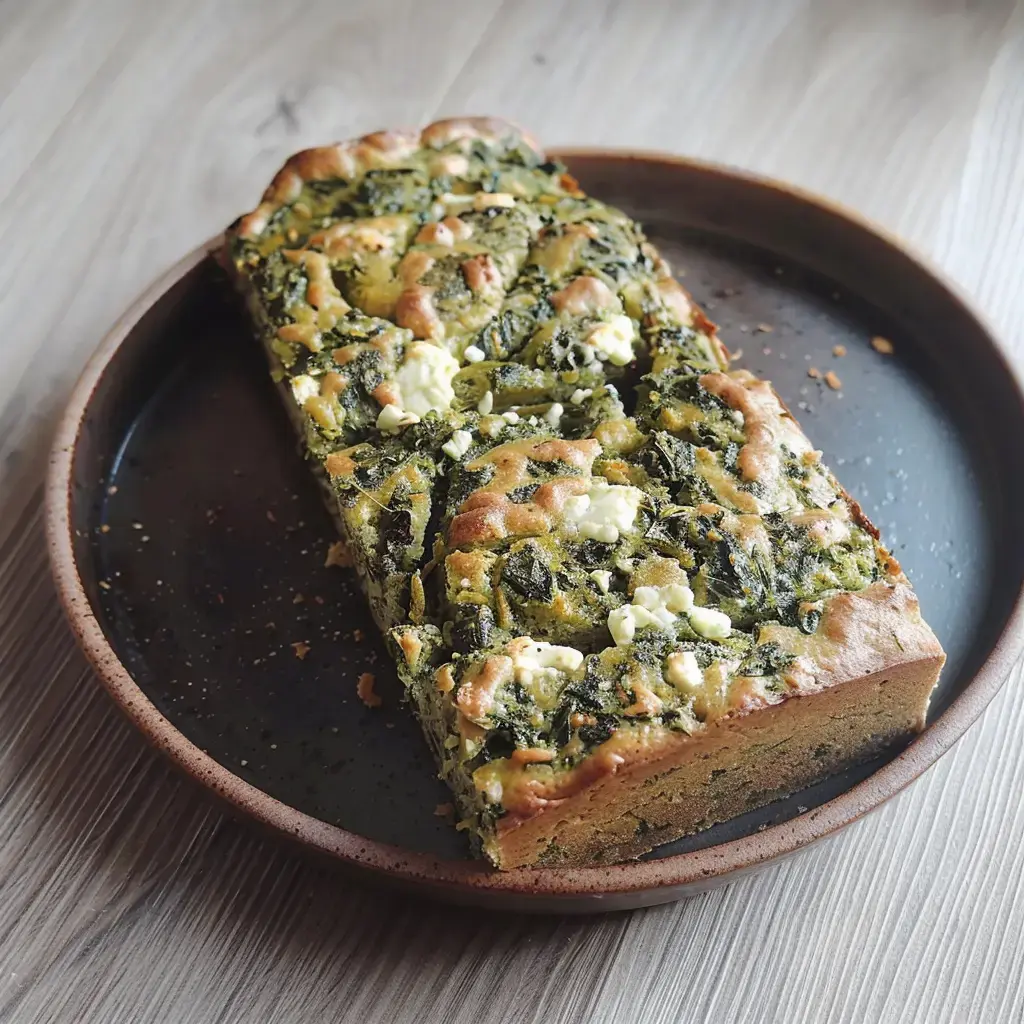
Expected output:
(738, 354)
(833, 381)
(366, 692)
(764, 328)
(318, 599)
(271, 516)
(104, 584)
(112, 489)
(357, 635)
(105, 528)
(298, 599)
(446, 811)
(882, 345)
(301, 649)
(338, 554)
(813, 371)
(839, 351)
(766, 350)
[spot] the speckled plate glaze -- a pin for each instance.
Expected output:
(188, 539)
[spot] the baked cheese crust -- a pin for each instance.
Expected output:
(624, 594)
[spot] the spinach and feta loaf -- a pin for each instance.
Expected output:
(625, 597)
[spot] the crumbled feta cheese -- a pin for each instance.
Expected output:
(580, 395)
(465, 583)
(511, 416)
(391, 419)
(682, 670)
(304, 388)
(554, 414)
(458, 444)
(492, 427)
(532, 658)
(474, 354)
(603, 579)
(652, 606)
(710, 623)
(486, 404)
(613, 341)
(425, 378)
(604, 511)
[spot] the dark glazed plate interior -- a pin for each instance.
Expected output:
(184, 520)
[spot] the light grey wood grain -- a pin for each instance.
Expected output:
(130, 133)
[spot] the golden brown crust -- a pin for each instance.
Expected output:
(678, 784)
(873, 634)
(356, 156)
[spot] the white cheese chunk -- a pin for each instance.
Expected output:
(458, 444)
(682, 670)
(536, 658)
(580, 395)
(425, 379)
(613, 341)
(710, 623)
(304, 388)
(605, 511)
(392, 418)
(603, 579)
(474, 354)
(554, 415)
(486, 404)
(659, 607)
(511, 416)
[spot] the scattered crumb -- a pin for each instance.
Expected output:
(298, 599)
(269, 625)
(243, 762)
(738, 354)
(833, 381)
(839, 351)
(366, 692)
(271, 516)
(813, 371)
(338, 554)
(301, 649)
(104, 584)
(112, 489)
(136, 526)
(357, 635)
(744, 328)
(105, 528)
(446, 811)
(766, 350)
(883, 345)
(764, 328)
(220, 599)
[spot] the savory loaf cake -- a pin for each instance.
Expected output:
(624, 595)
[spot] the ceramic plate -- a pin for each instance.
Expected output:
(188, 539)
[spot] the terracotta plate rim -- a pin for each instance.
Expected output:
(465, 878)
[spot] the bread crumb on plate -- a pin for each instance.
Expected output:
(366, 692)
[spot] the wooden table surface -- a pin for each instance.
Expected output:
(131, 132)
